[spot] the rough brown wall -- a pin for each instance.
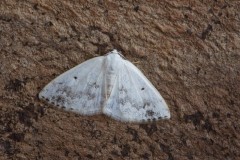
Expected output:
(189, 49)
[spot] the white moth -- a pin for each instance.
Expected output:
(110, 85)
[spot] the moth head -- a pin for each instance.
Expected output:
(114, 51)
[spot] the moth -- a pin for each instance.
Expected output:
(110, 85)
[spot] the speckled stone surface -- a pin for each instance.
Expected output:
(190, 51)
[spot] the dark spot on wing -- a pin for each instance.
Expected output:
(61, 100)
(75, 77)
(93, 85)
(159, 118)
(146, 104)
(142, 88)
(122, 101)
(122, 90)
(91, 96)
(68, 94)
(150, 113)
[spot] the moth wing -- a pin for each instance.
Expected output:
(134, 98)
(78, 89)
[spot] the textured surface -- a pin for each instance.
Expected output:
(189, 50)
